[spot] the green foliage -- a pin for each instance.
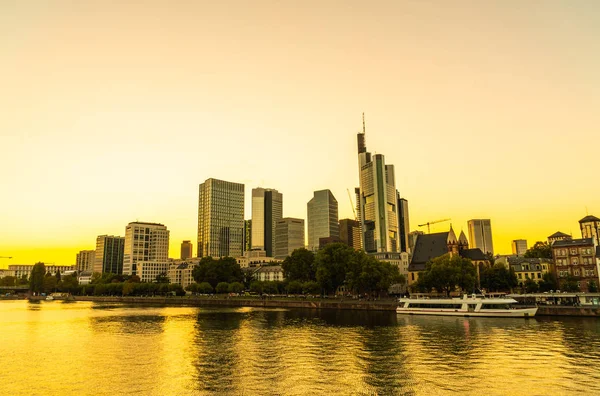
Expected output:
(8, 281)
(311, 287)
(222, 287)
(236, 287)
(498, 278)
(299, 266)
(192, 287)
(50, 284)
(569, 284)
(162, 278)
(38, 273)
(531, 286)
(256, 287)
(294, 287)
(366, 274)
(213, 271)
(548, 282)
(205, 288)
(539, 250)
(58, 276)
(68, 284)
(592, 287)
(445, 274)
(332, 263)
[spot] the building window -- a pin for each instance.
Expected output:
(520, 277)
(573, 251)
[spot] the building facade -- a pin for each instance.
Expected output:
(181, 272)
(187, 250)
(85, 261)
(149, 270)
(267, 210)
(558, 236)
(220, 219)
(247, 235)
(270, 273)
(109, 254)
(577, 258)
(350, 233)
(289, 236)
(403, 224)
(25, 269)
(590, 228)
(144, 242)
(322, 218)
(377, 201)
(519, 246)
(528, 268)
(480, 235)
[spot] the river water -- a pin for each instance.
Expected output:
(82, 348)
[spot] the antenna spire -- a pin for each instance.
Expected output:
(364, 123)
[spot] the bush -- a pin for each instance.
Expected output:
(294, 287)
(235, 287)
(311, 287)
(205, 288)
(222, 287)
(256, 287)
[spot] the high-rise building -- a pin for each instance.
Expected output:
(267, 210)
(187, 250)
(147, 242)
(590, 228)
(350, 233)
(109, 254)
(289, 236)
(403, 224)
(84, 261)
(377, 201)
(247, 235)
(322, 218)
(480, 235)
(220, 219)
(519, 246)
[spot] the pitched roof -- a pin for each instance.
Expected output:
(559, 234)
(462, 239)
(429, 246)
(573, 242)
(474, 254)
(589, 218)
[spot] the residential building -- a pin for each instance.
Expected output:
(25, 269)
(403, 224)
(519, 246)
(267, 210)
(590, 228)
(187, 250)
(322, 218)
(144, 242)
(181, 272)
(84, 260)
(289, 236)
(149, 270)
(109, 254)
(350, 233)
(247, 235)
(220, 219)
(528, 268)
(270, 273)
(400, 260)
(579, 258)
(377, 201)
(84, 278)
(6, 272)
(480, 235)
(558, 236)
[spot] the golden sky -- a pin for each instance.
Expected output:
(115, 112)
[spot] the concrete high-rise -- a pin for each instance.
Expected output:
(377, 201)
(109, 254)
(247, 235)
(84, 261)
(289, 236)
(403, 224)
(267, 210)
(187, 250)
(322, 218)
(519, 246)
(590, 228)
(220, 219)
(147, 242)
(350, 233)
(480, 235)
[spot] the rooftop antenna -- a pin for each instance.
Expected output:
(364, 129)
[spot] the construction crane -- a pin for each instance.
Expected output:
(6, 257)
(352, 205)
(428, 224)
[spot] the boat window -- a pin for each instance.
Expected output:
(439, 306)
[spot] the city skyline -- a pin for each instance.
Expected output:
(437, 98)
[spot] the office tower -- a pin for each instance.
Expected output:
(289, 236)
(403, 224)
(220, 219)
(109, 254)
(350, 233)
(480, 235)
(377, 201)
(322, 218)
(84, 261)
(590, 228)
(147, 242)
(247, 235)
(519, 246)
(187, 250)
(267, 210)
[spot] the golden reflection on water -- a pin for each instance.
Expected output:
(100, 349)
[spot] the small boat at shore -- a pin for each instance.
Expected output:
(465, 306)
(49, 298)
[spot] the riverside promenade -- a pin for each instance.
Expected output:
(309, 303)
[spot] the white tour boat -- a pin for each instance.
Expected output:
(465, 306)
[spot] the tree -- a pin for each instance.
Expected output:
(498, 278)
(58, 276)
(531, 286)
(311, 287)
(294, 287)
(332, 262)
(445, 274)
(192, 287)
(570, 284)
(256, 287)
(38, 272)
(205, 288)
(592, 287)
(299, 266)
(127, 288)
(236, 287)
(367, 274)
(548, 282)
(225, 269)
(539, 250)
(222, 287)
(162, 278)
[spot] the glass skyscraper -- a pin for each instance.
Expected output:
(220, 219)
(267, 210)
(109, 254)
(322, 218)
